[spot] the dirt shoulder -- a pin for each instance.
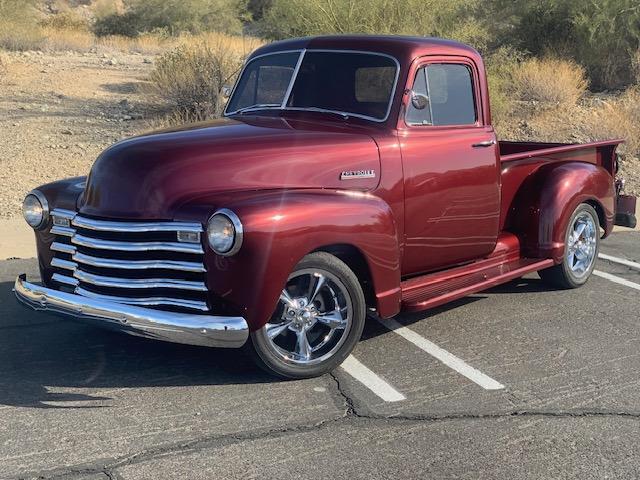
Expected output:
(59, 111)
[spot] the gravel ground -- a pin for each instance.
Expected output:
(59, 110)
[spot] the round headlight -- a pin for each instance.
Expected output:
(35, 210)
(224, 232)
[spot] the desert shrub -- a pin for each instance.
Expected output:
(501, 66)
(607, 35)
(174, 17)
(65, 21)
(549, 80)
(618, 117)
(18, 25)
(63, 40)
(445, 18)
(190, 77)
(601, 35)
(127, 24)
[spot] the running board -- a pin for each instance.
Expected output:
(436, 289)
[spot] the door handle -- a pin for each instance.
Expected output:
(488, 143)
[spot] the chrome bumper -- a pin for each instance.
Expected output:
(190, 329)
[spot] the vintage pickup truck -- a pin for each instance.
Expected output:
(350, 175)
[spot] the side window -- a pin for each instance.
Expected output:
(449, 91)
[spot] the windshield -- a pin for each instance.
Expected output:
(352, 83)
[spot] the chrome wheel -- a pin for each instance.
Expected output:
(582, 244)
(313, 318)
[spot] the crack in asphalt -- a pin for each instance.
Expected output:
(352, 414)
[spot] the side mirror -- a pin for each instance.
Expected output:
(419, 100)
(226, 91)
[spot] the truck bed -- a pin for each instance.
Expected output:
(521, 159)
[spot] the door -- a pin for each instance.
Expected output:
(451, 169)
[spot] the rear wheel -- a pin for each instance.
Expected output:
(317, 323)
(582, 242)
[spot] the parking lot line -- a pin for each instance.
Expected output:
(616, 279)
(443, 356)
(621, 261)
(370, 380)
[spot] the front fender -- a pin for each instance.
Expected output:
(280, 228)
(60, 194)
(545, 202)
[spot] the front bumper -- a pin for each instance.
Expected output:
(190, 329)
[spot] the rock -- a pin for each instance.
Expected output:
(124, 103)
(113, 61)
(66, 132)
(127, 117)
(147, 60)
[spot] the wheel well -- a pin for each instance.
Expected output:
(600, 211)
(357, 262)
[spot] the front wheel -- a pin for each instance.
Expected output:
(317, 322)
(582, 242)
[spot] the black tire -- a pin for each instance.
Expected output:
(563, 275)
(337, 275)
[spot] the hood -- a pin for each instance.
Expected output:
(151, 176)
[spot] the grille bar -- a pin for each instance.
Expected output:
(109, 226)
(63, 248)
(112, 282)
(100, 244)
(149, 301)
(136, 264)
(65, 264)
(64, 231)
(65, 280)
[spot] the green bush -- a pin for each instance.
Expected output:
(174, 17)
(455, 19)
(601, 35)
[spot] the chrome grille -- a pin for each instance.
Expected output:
(136, 263)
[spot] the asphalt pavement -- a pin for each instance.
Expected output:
(521, 381)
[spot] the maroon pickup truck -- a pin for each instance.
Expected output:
(349, 174)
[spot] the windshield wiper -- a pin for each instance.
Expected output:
(343, 115)
(257, 106)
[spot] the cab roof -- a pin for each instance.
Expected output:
(404, 48)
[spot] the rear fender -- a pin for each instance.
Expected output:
(545, 202)
(280, 228)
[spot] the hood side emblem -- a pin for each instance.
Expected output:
(356, 174)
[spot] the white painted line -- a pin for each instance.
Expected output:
(616, 279)
(445, 357)
(370, 380)
(621, 261)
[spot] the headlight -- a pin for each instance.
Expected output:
(224, 232)
(35, 210)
